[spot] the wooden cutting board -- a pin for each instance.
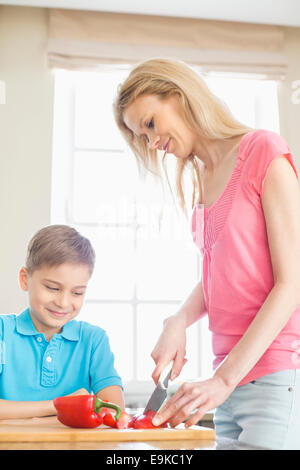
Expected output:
(51, 430)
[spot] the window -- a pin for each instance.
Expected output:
(146, 262)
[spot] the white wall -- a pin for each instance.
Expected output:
(25, 142)
(26, 134)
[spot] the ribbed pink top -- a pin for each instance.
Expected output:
(237, 272)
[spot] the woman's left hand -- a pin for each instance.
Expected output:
(200, 396)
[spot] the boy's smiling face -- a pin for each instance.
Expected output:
(56, 295)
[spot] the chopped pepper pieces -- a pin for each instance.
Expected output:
(144, 421)
(108, 417)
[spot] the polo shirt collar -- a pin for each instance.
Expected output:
(25, 326)
(71, 330)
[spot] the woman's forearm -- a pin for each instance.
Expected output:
(269, 321)
(193, 308)
(26, 409)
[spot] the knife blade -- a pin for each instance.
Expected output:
(160, 392)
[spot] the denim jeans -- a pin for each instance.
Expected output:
(264, 414)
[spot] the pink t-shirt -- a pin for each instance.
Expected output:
(237, 270)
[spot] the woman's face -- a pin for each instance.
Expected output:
(161, 123)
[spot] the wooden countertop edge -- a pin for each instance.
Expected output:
(13, 434)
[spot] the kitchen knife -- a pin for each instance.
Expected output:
(160, 393)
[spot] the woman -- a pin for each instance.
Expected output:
(246, 222)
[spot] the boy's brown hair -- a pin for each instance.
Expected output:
(57, 244)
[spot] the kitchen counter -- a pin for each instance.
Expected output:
(49, 434)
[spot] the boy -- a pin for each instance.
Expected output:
(44, 352)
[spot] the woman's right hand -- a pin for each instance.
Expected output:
(171, 346)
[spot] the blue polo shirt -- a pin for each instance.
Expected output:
(34, 369)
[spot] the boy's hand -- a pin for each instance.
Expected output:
(81, 391)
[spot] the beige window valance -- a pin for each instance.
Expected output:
(86, 39)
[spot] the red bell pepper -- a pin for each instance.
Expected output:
(82, 411)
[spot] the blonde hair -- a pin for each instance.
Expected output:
(202, 110)
(57, 244)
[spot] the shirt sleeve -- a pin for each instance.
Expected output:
(264, 147)
(102, 370)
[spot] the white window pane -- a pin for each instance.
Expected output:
(104, 186)
(238, 94)
(95, 126)
(114, 275)
(150, 321)
(153, 192)
(117, 321)
(266, 106)
(253, 102)
(157, 204)
(166, 269)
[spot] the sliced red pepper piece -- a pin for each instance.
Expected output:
(132, 421)
(99, 404)
(108, 418)
(82, 411)
(144, 421)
